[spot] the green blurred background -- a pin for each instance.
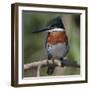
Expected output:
(34, 44)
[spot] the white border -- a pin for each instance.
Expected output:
(52, 78)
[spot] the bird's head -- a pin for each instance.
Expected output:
(55, 24)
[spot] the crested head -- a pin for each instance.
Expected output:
(56, 23)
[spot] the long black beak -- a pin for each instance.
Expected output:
(42, 30)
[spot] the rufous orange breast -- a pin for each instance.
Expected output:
(57, 37)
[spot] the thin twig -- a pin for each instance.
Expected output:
(38, 71)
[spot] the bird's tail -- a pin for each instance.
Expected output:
(50, 70)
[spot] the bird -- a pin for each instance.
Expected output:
(56, 44)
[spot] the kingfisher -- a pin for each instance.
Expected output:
(56, 44)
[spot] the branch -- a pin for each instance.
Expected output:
(43, 63)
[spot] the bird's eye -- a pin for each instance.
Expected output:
(52, 26)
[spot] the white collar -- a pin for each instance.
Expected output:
(56, 29)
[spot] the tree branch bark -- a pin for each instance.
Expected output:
(43, 63)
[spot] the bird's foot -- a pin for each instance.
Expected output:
(62, 64)
(51, 63)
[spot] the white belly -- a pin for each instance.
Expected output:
(58, 50)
